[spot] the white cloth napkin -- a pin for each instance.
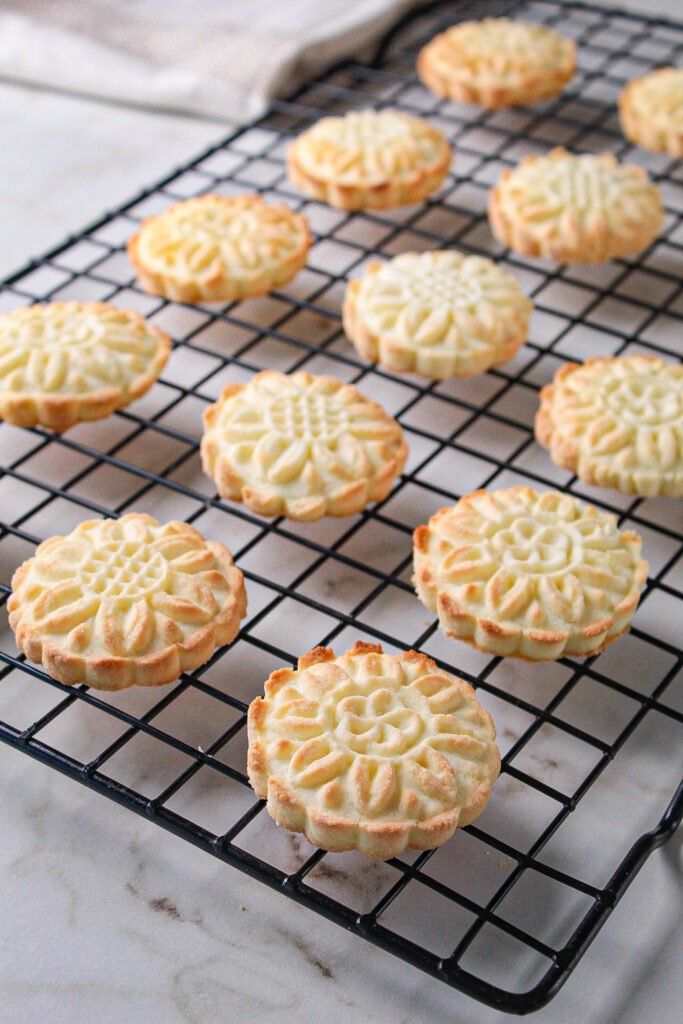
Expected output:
(219, 58)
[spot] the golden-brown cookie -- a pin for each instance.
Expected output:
(301, 446)
(219, 249)
(497, 63)
(127, 601)
(575, 209)
(369, 160)
(439, 314)
(529, 575)
(617, 422)
(66, 362)
(371, 751)
(651, 111)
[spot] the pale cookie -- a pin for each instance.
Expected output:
(67, 362)
(439, 314)
(371, 751)
(651, 111)
(529, 575)
(617, 422)
(369, 160)
(119, 602)
(301, 446)
(219, 249)
(575, 209)
(497, 63)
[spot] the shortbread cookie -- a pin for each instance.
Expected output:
(575, 209)
(369, 160)
(301, 446)
(651, 111)
(439, 314)
(529, 575)
(371, 751)
(219, 249)
(617, 422)
(497, 63)
(119, 602)
(66, 362)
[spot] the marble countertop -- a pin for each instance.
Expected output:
(104, 917)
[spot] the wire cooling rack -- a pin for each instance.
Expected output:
(591, 748)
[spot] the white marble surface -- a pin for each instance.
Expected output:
(104, 917)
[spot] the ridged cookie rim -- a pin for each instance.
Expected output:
(221, 287)
(489, 636)
(532, 88)
(645, 132)
(334, 833)
(111, 672)
(60, 412)
(567, 455)
(382, 352)
(232, 485)
(603, 246)
(387, 195)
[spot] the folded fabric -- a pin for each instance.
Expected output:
(221, 60)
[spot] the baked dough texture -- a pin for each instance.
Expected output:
(651, 111)
(219, 249)
(65, 362)
(369, 160)
(497, 63)
(439, 314)
(301, 446)
(127, 601)
(575, 209)
(617, 422)
(529, 575)
(371, 751)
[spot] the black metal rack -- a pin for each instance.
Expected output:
(506, 909)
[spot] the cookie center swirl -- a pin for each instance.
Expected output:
(121, 571)
(535, 548)
(444, 287)
(309, 417)
(639, 400)
(379, 724)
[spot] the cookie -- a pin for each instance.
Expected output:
(219, 249)
(651, 111)
(369, 160)
(301, 446)
(371, 751)
(617, 422)
(575, 209)
(439, 314)
(119, 602)
(529, 575)
(66, 362)
(497, 63)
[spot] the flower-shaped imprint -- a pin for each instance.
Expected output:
(528, 574)
(371, 751)
(127, 601)
(66, 362)
(575, 209)
(369, 159)
(497, 63)
(301, 446)
(651, 111)
(617, 422)
(219, 249)
(439, 314)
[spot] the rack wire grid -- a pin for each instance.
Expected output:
(591, 747)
